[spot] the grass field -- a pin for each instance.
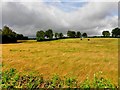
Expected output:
(68, 57)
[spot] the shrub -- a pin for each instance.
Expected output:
(11, 79)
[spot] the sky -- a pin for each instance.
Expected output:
(29, 16)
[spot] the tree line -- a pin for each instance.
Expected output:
(115, 33)
(9, 36)
(48, 35)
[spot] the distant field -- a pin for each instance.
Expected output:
(70, 57)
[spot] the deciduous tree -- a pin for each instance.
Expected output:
(49, 33)
(8, 36)
(106, 33)
(78, 35)
(84, 35)
(40, 35)
(60, 35)
(56, 35)
(116, 32)
(71, 34)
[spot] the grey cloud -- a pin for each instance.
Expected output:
(17, 14)
(27, 18)
(92, 14)
(0, 14)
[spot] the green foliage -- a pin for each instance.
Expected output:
(106, 33)
(8, 35)
(0, 31)
(40, 35)
(55, 82)
(56, 35)
(71, 34)
(30, 81)
(85, 84)
(10, 80)
(7, 31)
(49, 33)
(60, 35)
(84, 35)
(19, 36)
(100, 82)
(70, 82)
(97, 82)
(116, 32)
(78, 35)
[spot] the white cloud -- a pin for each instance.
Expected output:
(28, 17)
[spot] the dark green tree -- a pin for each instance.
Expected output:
(78, 35)
(68, 33)
(49, 33)
(71, 34)
(20, 37)
(106, 33)
(56, 35)
(40, 35)
(8, 36)
(60, 35)
(0, 31)
(25, 38)
(116, 32)
(84, 35)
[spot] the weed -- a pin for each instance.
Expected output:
(11, 79)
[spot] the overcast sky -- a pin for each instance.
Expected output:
(62, 15)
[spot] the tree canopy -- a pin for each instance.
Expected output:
(9, 36)
(60, 35)
(49, 33)
(106, 33)
(84, 35)
(56, 35)
(40, 35)
(116, 32)
(71, 34)
(78, 35)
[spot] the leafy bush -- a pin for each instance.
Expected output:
(55, 82)
(100, 82)
(97, 82)
(11, 79)
(70, 82)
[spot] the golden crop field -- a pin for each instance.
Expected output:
(65, 57)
